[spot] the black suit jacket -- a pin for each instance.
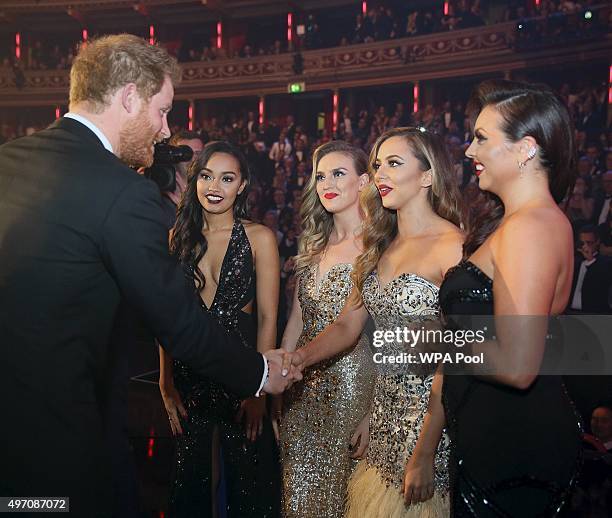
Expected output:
(79, 233)
(596, 285)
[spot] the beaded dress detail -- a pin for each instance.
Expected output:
(250, 469)
(401, 397)
(322, 412)
(504, 460)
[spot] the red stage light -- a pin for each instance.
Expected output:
(261, 111)
(335, 113)
(219, 34)
(289, 27)
(151, 34)
(610, 86)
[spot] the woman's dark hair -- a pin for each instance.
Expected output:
(526, 110)
(188, 243)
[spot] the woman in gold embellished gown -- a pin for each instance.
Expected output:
(411, 238)
(322, 413)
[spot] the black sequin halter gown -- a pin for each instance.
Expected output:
(514, 453)
(250, 469)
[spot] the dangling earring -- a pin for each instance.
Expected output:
(521, 165)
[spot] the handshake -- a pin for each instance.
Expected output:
(284, 368)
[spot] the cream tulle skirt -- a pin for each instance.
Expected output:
(370, 497)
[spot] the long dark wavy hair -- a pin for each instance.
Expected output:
(526, 110)
(188, 243)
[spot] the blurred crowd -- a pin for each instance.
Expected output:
(550, 21)
(280, 151)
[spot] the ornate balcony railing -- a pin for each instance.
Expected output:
(482, 50)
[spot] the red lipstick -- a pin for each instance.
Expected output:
(330, 195)
(384, 189)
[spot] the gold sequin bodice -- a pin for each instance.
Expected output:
(401, 393)
(322, 412)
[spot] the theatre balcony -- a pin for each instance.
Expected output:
(501, 48)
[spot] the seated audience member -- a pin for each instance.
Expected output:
(592, 275)
(601, 425)
(602, 200)
(579, 207)
(605, 236)
(281, 149)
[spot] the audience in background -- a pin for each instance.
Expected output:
(547, 22)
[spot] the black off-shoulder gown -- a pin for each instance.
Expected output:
(514, 453)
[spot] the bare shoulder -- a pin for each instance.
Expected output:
(259, 235)
(449, 246)
(544, 224)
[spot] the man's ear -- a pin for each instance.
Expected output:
(130, 98)
(427, 178)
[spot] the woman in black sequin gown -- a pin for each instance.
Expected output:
(220, 437)
(514, 433)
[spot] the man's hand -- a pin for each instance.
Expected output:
(279, 376)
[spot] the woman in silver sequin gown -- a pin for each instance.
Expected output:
(411, 238)
(322, 413)
(233, 263)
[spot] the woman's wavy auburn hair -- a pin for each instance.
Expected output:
(188, 243)
(380, 225)
(317, 223)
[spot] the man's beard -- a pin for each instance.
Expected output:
(135, 141)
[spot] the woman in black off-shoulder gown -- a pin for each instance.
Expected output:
(515, 440)
(516, 450)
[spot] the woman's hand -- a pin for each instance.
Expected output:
(418, 479)
(361, 438)
(174, 407)
(253, 410)
(276, 409)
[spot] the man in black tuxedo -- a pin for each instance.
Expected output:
(81, 236)
(592, 284)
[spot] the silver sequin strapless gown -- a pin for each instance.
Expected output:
(323, 411)
(401, 396)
